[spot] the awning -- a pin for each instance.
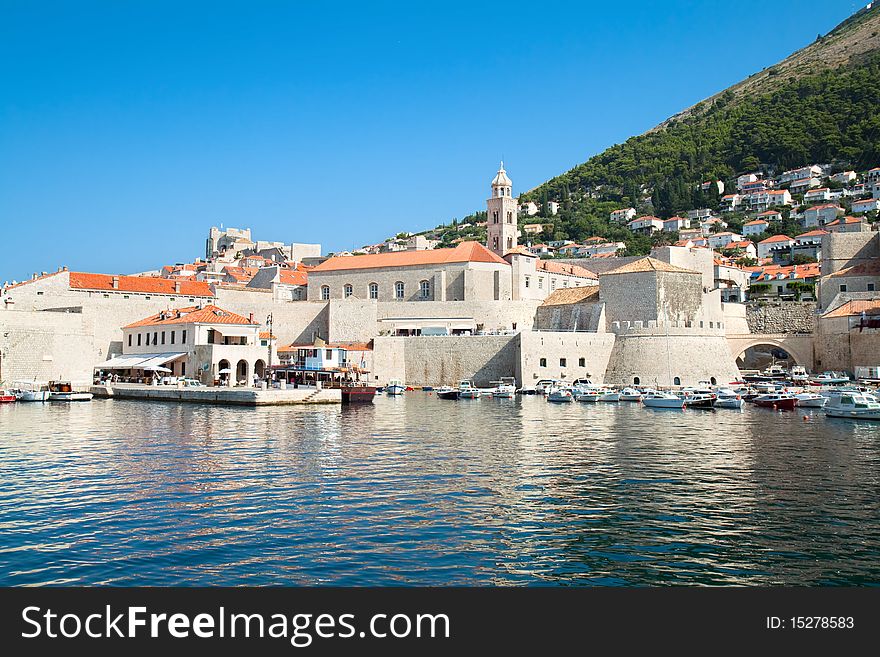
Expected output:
(237, 331)
(138, 361)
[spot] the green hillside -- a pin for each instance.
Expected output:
(820, 105)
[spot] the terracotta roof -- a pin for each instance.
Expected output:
(563, 268)
(648, 264)
(464, 252)
(844, 220)
(825, 207)
(739, 245)
(294, 277)
(855, 307)
(769, 213)
(210, 314)
(569, 295)
(817, 190)
(755, 222)
(241, 274)
(520, 250)
(139, 284)
(813, 233)
(870, 268)
(265, 335)
(776, 238)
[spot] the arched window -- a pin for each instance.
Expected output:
(509, 242)
(510, 217)
(325, 292)
(348, 290)
(636, 380)
(495, 217)
(424, 289)
(676, 381)
(374, 290)
(495, 243)
(712, 381)
(399, 290)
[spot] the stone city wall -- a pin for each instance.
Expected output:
(781, 316)
(563, 355)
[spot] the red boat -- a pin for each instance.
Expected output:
(6, 397)
(779, 401)
(353, 394)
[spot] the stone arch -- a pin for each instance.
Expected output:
(242, 371)
(793, 352)
(260, 368)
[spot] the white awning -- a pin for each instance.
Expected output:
(237, 331)
(138, 361)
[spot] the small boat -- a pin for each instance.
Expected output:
(630, 394)
(6, 396)
(585, 391)
(798, 374)
(775, 372)
(505, 388)
(63, 391)
(27, 391)
(558, 395)
(810, 400)
(698, 398)
(395, 387)
(656, 399)
(354, 393)
(782, 401)
(466, 390)
(829, 378)
(446, 392)
(609, 395)
(853, 405)
(543, 386)
(727, 398)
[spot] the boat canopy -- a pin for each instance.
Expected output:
(138, 361)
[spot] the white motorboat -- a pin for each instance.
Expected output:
(810, 400)
(63, 391)
(798, 374)
(609, 395)
(395, 387)
(505, 388)
(466, 390)
(630, 394)
(853, 405)
(557, 394)
(27, 391)
(586, 392)
(543, 386)
(655, 399)
(829, 378)
(727, 398)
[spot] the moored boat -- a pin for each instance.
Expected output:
(778, 400)
(829, 378)
(609, 395)
(467, 390)
(853, 405)
(505, 388)
(655, 399)
(6, 396)
(630, 394)
(727, 398)
(810, 400)
(446, 392)
(395, 387)
(557, 394)
(27, 391)
(63, 391)
(354, 393)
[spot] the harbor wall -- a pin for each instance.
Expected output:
(656, 359)
(563, 355)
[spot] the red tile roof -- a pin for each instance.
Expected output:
(139, 284)
(563, 268)
(776, 238)
(210, 314)
(756, 222)
(870, 268)
(814, 233)
(294, 277)
(464, 252)
(855, 307)
(844, 220)
(348, 346)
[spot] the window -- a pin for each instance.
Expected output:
(542, 362)
(129, 339)
(495, 242)
(582, 362)
(636, 380)
(712, 380)
(711, 324)
(347, 291)
(155, 338)
(843, 288)
(424, 290)
(495, 217)
(565, 283)
(264, 343)
(125, 296)
(328, 354)
(399, 290)
(183, 369)
(540, 282)
(870, 287)
(163, 337)
(552, 283)
(172, 337)
(676, 381)
(106, 296)
(528, 280)
(183, 337)
(562, 362)
(325, 292)
(374, 290)
(139, 339)
(510, 217)
(147, 298)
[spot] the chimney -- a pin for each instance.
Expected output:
(35, 276)
(65, 268)
(116, 282)
(176, 287)
(251, 318)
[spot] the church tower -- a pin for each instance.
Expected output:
(501, 207)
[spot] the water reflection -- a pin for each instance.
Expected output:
(416, 490)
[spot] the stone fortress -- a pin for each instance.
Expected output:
(432, 316)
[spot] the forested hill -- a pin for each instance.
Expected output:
(820, 105)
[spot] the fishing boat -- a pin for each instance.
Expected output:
(466, 390)
(505, 388)
(630, 394)
(446, 392)
(395, 387)
(63, 391)
(829, 379)
(558, 394)
(27, 391)
(609, 395)
(697, 398)
(655, 399)
(798, 374)
(810, 400)
(853, 405)
(6, 396)
(782, 401)
(727, 398)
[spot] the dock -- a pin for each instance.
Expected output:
(217, 395)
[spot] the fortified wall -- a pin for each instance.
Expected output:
(781, 316)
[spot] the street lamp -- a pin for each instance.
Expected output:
(269, 342)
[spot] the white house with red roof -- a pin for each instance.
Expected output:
(746, 247)
(623, 215)
(720, 240)
(647, 225)
(775, 243)
(866, 205)
(847, 225)
(755, 227)
(674, 224)
(819, 215)
(803, 185)
(208, 343)
(873, 175)
(818, 195)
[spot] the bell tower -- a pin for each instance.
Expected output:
(502, 232)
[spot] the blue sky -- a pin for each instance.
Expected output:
(128, 129)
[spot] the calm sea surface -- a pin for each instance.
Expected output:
(417, 490)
